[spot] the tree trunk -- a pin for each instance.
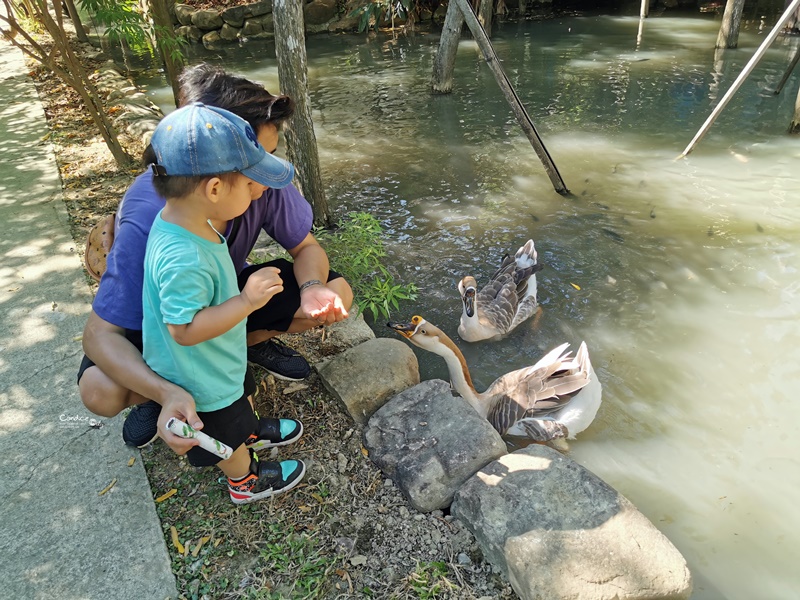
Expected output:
(485, 14)
(167, 44)
(794, 128)
(728, 36)
(445, 60)
(80, 32)
(290, 49)
(72, 72)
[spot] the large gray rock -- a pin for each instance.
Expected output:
(258, 8)
(363, 377)
(234, 16)
(252, 27)
(319, 12)
(430, 442)
(207, 20)
(558, 531)
(346, 334)
(229, 33)
(184, 13)
(189, 32)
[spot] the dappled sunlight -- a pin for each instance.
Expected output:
(514, 463)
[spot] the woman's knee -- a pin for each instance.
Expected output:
(100, 394)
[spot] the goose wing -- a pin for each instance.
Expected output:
(508, 298)
(537, 391)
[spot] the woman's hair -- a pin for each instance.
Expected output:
(211, 85)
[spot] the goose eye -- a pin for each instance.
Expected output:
(423, 332)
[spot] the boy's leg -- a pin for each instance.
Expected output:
(248, 478)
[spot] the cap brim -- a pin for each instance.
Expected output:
(271, 171)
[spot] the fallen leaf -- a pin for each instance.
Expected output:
(108, 487)
(364, 451)
(169, 494)
(131, 461)
(576, 286)
(199, 545)
(318, 498)
(175, 541)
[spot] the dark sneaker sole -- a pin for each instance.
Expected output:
(261, 444)
(239, 498)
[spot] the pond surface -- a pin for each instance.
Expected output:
(681, 275)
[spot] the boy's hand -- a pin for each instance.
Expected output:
(261, 286)
(183, 410)
(322, 304)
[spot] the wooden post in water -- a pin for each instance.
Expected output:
(794, 128)
(728, 36)
(517, 107)
(788, 73)
(485, 14)
(445, 59)
(742, 76)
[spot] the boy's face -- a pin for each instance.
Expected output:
(238, 197)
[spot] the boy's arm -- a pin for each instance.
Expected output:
(213, 321)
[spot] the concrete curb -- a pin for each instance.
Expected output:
(60, 537)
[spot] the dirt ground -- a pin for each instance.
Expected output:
(346, 532)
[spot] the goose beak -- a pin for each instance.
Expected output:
(469, 301)
(404, 329)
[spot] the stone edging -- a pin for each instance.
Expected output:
(253, 21)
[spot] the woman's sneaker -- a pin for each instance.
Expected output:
(141, 425)
(272, 433)
(266, 479)
(279, 359)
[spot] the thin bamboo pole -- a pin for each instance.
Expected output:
(517, 107)
(742, 76)
(645, 10)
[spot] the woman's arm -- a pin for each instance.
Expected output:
(108, 348)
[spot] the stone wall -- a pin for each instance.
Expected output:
(253, 21)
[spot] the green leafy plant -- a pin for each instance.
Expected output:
(375, 11)
(126, 21)
(356, 251)
(429, 580)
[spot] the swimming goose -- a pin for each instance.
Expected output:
(506, 301)
(558, 397)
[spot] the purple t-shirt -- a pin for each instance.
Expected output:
(283, 214)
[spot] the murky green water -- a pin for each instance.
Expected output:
(689, 295)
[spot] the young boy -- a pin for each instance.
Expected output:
(209, 169)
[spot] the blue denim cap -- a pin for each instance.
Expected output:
(201, 140)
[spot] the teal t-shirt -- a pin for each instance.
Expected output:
(183, 274)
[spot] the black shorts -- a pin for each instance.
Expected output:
(132, 335)
(278, 313)
(231, 425)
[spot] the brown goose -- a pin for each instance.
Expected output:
(558, 397)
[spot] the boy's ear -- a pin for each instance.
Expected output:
(213, 189)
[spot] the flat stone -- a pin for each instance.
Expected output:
(365, 376)
(430, 442)
(559, 531)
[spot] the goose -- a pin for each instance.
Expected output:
(556, 398)
(506, 301)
